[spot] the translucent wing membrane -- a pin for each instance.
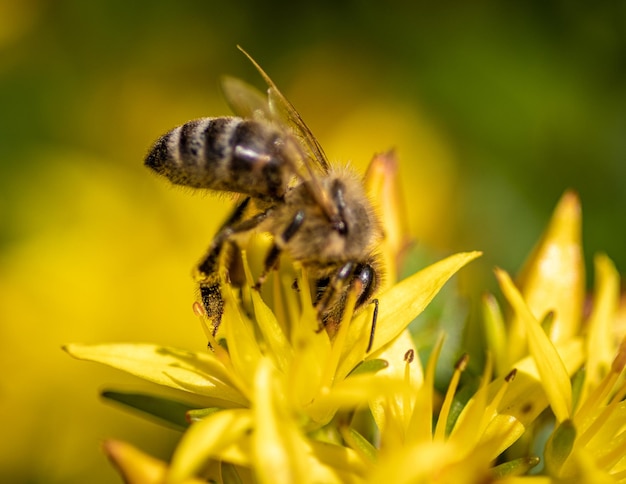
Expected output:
(283, 109)
(311, 153)
(245, 100)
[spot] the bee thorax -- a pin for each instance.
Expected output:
(320, 239)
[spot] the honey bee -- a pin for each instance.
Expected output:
(317, 213)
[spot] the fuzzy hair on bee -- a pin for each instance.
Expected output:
(319, 214)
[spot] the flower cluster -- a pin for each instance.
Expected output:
(282, 401)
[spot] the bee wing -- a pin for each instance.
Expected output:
(283, 110)
(311, 153)
(280, 104)
(245, 100)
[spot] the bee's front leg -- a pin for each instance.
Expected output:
(333, 294)
(277, 247)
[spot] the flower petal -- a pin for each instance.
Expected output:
(471, 424)
(278, 448)
(184, 370)
(382, 182)
(600, 343)
(335, 463)
(243, 347)
(134, 466)
(313, 349)
(495, 333)
(554, 377)
(553, 278)
(272, 332)
(524, 399)
(421, 422)
(399, 306)
(358, 390)
(206, 439)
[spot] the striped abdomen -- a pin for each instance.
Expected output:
(227, 154)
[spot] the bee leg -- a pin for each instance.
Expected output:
(366, 275)
(330, 310)
(208, 276)
(212, 302)
(277, 247)
(208, 264)
(330, 291)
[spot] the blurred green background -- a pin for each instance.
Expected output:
(495, 108)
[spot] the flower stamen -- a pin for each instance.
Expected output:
(409, 356)
(442, 421)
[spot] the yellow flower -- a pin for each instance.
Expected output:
(277, 400)
(276, 393)
(280, 400)
(567, 363)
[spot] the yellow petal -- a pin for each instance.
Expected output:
(242, 344)
(394, 355)
(329, 463)
(468, 430)
(431, 463)
(600, 343)
(495, 333)
(399, 306)
(524, 398)
(554, 376)
(272, 332)
(313, 349)
(420, 425)
(527, 480)
(278, 448)
(606, 437)
(553, 278)
(382, 183)
(134, 466)
(205, 440)
(358, 390)
(396, 369)
(189, 371)
(582, 466)
(338, 346)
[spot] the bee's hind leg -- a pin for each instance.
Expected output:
(207, 271)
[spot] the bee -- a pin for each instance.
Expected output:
(317, 213)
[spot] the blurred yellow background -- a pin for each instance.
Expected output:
(495, 109)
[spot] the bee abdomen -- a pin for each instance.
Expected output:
(226, 154)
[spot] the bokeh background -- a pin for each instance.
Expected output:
(495, 108)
